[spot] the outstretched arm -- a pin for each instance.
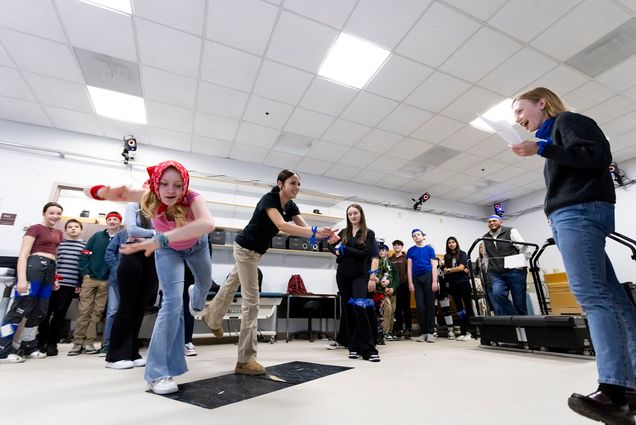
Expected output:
(299, 227)
(118, 194)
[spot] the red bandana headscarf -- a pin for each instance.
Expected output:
(155, 174)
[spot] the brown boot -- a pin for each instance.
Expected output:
(250, 368)
(207, 318)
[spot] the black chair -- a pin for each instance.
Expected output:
(310, 309)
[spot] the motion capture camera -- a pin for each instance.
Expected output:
(130, 148)
(419, 201)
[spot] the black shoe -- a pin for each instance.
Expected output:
(630, 395)
(51, 350)
(353, 355)
(407, 335)
(599, 407)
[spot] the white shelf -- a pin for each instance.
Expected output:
(245, 212)
(283, 251)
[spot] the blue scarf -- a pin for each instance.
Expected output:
(545, 133)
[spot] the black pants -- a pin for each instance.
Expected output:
(403, 308)
(460, 291)
(425, 302)
(188, 320)
(359, 313)
(137, 279)
(52, 324)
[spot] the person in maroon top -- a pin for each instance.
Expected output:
(36, 280)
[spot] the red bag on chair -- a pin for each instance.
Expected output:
(296, 286)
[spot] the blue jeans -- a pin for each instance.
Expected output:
(580, 231)
(113, 303)
(165, 353)
(513, 281)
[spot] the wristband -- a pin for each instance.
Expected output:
(94, 190)
(162, 240)
(312, 240)
(341, 249)
(374, 271)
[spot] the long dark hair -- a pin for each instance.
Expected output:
(448, 257)
(282, 176)
(363, 226)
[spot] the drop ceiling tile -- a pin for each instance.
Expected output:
(22, 111)
(13, 85)
(537, 17)
(620, 125)
(79, 122)
(118, 129)
(342, 172)
(5, 60)
(483, 52)
(465, 138)
(462, 162)
(256, 135)
(169, 117)
(248, 153)
(489, 147)
(267, 112)
(561, 80)
(33, 17)
(168, 87)
(507, 157)
(313, 166)
(54, 92)
(214, 126)
(626, 139)
(359, 157)
(282, 83)
(476, 100)
(345, 132)
(244, 24)
(168, 49)
(532, 163)
(282, 160)
(619, 77)
(483, 9)
(587, 95)
(186, 16)
(388, 164)
(308, 123)
(511, 76)
(368, 109)
(405, 119)
(505, 174)
(211, 146)
(398, 77)
(409, 148)
(484, 169)
(42, 56)
(624, 154)
(457, 194)
(98, 29)
(610, 109)
(327, 151)
(229, 67)
(437, 92)
(438, 175)
(170, 139)
(331, 12)
(437, 35)
(219, 100)
(392, 182)
(299, 42)
(384, 22)
(368, 177)
(327, 97)
(378, 141)
(598, 18)
(437, 129)
(630, 93)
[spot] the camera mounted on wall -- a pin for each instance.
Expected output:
(130, 148)
(499, 209)
(618, 175)
(419, 201)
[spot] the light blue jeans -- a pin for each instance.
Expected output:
(165, 354)
(113, 303)
(580, 231)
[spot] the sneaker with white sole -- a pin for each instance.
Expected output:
(197, 314)
(468, 336)
(461, 338)
(103, 351)
(10, 356)
(334, 345)
(76, 350)
(190, 349)
(90, 349)
(421, 338)
(353, 355)
(430, 338)
(120, 365)
(37, 354)
(451, 335)
(139, 362)
(164, 385)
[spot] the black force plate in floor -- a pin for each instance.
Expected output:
(227, 389)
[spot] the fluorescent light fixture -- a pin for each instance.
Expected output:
(352, 61)
(120, 5)
(500, 112)
(118, 106)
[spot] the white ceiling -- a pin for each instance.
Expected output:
(227, 77)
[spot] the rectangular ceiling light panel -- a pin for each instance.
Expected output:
(353, 61)
(118, 106)
(120, 5)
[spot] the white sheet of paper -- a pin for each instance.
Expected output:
(504, 129)
(514, 261)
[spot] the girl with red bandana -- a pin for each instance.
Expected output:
(182, 221)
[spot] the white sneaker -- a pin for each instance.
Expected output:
(12, 358)
(197, 314)
(451, 335)
(461, 338)
(139, 362)
(334, 345)
(430, 338)
(120, 365)
(421, 338)
(190, 349)
(163, 386)
(37, 354)
(468, 336)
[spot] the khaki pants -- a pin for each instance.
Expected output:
(92, 301)
(245, 271)
(389, 312)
